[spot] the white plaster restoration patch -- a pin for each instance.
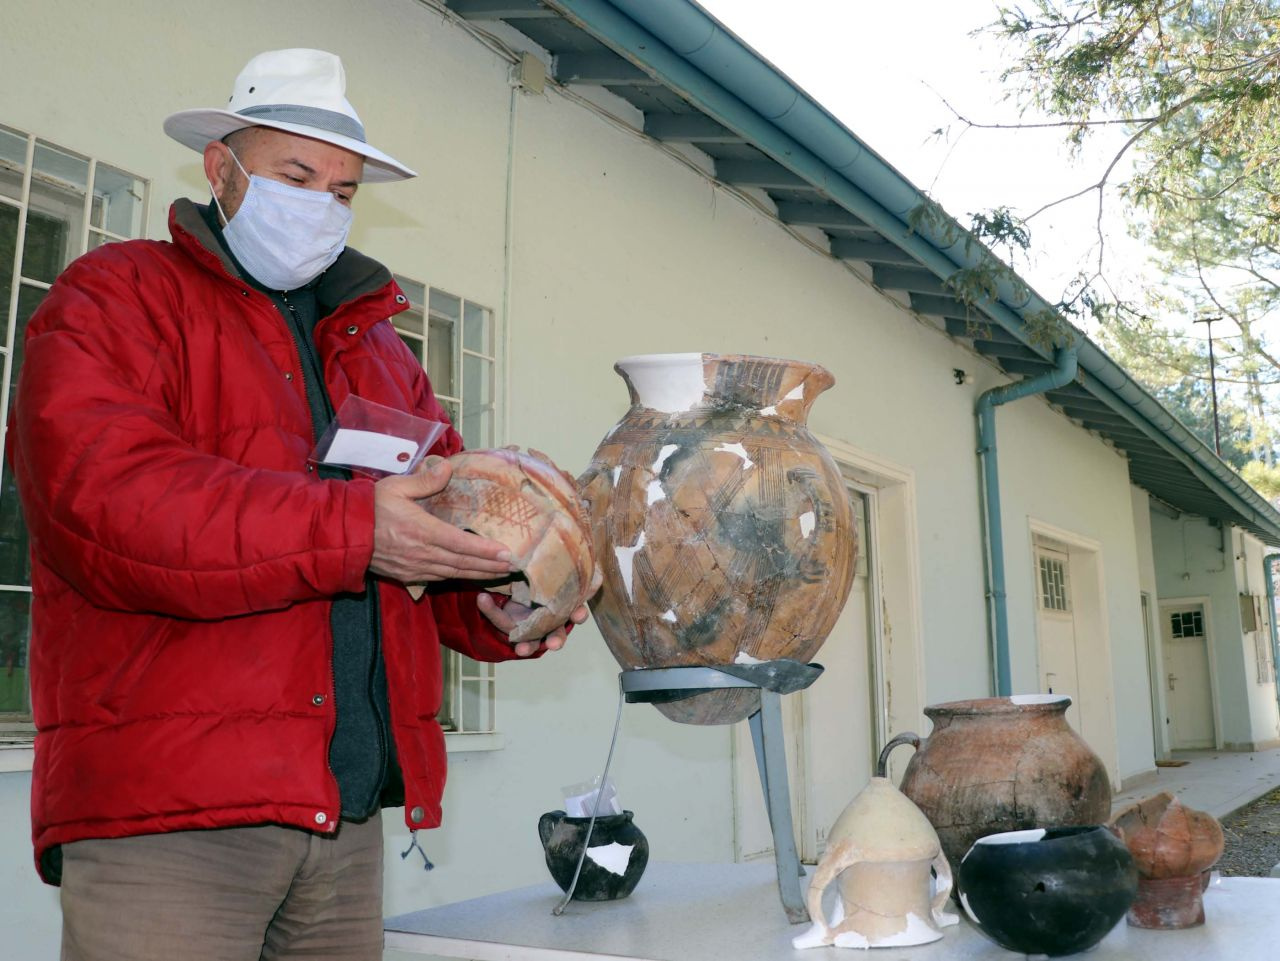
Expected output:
(796, 393)
(769, 411)
(1038, 698)
(737, 448)
(818, 934)
(614, 857)
(669, 615)
(667, 451)
(1011, 837)
(626, 559)
(807, 522)
(745, 658)
(666, 382)
(617, 472)
(654, 493)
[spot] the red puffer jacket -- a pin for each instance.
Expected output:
(184, 553)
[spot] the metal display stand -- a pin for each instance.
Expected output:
(772, 679)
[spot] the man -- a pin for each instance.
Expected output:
(229, 678)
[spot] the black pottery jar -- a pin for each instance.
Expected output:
(616, 856)
(1050, 891)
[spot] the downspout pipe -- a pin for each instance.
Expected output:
(1269, 571)
(1063, 372)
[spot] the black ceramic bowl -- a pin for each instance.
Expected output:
(1047, 891)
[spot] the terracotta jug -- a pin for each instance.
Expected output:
(883, 851)
(722, 526)
(1173, 846)
(1002, 764)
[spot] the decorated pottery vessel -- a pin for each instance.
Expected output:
(883, 852)
(521, 499)
(1002, 764)
(1173, 847)
(723, 528)
(1047, 891)
(616, 855)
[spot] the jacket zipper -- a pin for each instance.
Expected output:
(317, 396)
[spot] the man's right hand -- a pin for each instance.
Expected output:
(413, 547)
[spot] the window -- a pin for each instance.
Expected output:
(1186, 624)
(454, 340)
(54, 206)
(1053, 584)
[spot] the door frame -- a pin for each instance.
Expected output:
(895, 583)
(1211, 653)
(1088, 574)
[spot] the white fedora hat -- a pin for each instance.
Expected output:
(298, 91)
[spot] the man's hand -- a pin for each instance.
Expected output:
(413, 547)
(507, 617)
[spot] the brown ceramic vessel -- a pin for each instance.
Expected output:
(1173, 846)
(1002, 764)
(524, 501)
(723, 527)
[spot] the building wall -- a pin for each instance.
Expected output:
(1264, 719)
(1148, 583)
(1195, 560)
(592, 244)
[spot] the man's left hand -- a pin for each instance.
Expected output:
(507, 617)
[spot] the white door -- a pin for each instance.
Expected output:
(1188, 689)
(1056, 626)
(831, 729)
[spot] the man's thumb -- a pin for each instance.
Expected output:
(431, 477)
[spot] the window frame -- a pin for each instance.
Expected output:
(465, 681)
(40, 191)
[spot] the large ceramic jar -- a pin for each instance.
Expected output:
(723, 528)
(1003, 764)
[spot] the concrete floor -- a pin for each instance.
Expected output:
(1219, 782)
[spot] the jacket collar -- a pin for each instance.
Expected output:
(353, 275)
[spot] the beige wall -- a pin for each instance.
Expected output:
(615, 248)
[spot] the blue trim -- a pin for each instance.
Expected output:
(1064, 372)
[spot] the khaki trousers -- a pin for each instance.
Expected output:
(235, 894)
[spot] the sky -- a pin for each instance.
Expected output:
(888, 69)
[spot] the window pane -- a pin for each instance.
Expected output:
(476, 385)
(62, 169)
(447, 306)
(15, 636)
(13, 159)
(15, 557)
(117, 201)
(8, 244)
(441, 370)
(45, 251)
(409, 325)
(476, 329)
(473, 706)
(449, 705)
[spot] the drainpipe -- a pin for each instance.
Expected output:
(1271, 619)
(1063, 372)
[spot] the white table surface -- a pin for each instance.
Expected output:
(708, 912)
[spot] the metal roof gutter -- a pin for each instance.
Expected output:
(679, 43)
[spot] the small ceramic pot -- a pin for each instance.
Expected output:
(616, 856)
(1051, 891)
(1174, 846)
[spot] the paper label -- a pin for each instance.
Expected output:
(366, 448)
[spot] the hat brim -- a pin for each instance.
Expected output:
(198, 128)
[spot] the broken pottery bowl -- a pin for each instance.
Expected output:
(521, 499)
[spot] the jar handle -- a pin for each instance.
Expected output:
(942, 869)
(906, 737)
(838, 857)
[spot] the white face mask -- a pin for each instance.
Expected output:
(284, 236)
